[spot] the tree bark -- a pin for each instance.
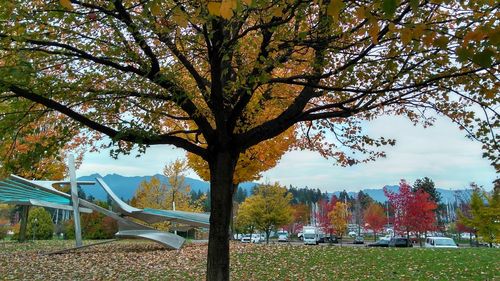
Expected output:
(221, 197)
(25, 209)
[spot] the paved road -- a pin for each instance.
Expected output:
(300, 243)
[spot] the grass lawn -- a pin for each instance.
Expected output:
(140, 260)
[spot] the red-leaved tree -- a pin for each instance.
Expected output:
(324, 208)
(422, 213)
(413, 211)
(375, 218)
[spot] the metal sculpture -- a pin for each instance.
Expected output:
(20, 191)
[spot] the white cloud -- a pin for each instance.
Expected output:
(440, 152)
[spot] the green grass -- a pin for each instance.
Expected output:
(139, 260)
(361, 263)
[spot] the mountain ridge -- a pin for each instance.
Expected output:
(125, 186)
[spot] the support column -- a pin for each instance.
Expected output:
(75, 200)
(24, 222)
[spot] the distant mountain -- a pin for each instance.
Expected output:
(125, 187)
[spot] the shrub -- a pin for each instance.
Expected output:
(40, 224)
(94, 226)
(3, 231)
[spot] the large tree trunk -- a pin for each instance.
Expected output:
(221, 197)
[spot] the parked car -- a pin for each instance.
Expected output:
(256, 238)
(358, 240)
(251, 238)
(400, 242)
(440, 242)
(380, 243)
(282, 238)
(333, 239)
(247, 238)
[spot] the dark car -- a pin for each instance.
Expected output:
(400, 242)
(358, 240)
(380, 243)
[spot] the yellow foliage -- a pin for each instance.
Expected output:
(66, 4)
(339, 217)
(226, 9)
(373, 31)
(268, 208)
(253, 162)
(155, 9)
(157, 195)
(214, 8)
(334, 8)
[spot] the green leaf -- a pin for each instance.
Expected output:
(441, 42)
(484, 58)
(463, 54)
(389, 7)
(414, 4)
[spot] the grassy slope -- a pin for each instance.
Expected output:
(137, 260)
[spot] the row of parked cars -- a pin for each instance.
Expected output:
(430, 242)
(259, 238)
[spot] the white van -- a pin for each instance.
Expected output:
(440, 242)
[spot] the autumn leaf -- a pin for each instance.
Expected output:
(441, 42)
(334, 8)
(226, 9)
(66, 4)
(373, 31)
(155, 9)
(214, 8)
(180, 18)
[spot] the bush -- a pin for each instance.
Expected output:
(40, 224)
(94, 226)
(3, 231)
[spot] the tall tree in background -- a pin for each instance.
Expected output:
(339, 217)
(423, 213)
(218, 78)
(427, 185)
(325, 207)
(268, 209)
(301, 216)
(484, 215)
(157, 195)
(176, 180)
(152, 194)
(413, 211)
(375, 218)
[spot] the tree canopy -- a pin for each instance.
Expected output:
(375, 218)
(484, 215)
(217, 78)
(339, 217)
(268, 209)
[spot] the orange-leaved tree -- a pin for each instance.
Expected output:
(217, 78)
(375, 218)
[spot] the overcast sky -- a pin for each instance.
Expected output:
(440, 152)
